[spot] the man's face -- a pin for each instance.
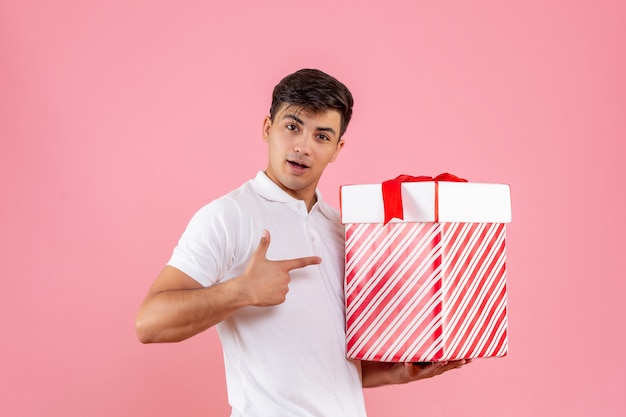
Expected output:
(300, 145)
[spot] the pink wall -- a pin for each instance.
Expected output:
(118, 119)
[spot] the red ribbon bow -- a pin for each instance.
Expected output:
(392, 193)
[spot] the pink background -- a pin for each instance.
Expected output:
(118, 119)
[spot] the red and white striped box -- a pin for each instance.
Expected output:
(430, 286)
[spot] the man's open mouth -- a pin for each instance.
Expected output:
(298, 164)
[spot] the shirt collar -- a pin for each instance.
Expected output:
(269, 190)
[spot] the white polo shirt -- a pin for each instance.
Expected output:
(289, 359)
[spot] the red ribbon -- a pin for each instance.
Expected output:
(392, 193)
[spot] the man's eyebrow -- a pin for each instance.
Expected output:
(326, 129)
(293, 117)
(300, 121)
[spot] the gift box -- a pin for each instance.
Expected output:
(425, 269)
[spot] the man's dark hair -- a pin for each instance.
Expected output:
(315, 91)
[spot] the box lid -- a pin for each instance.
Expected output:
(425, 201)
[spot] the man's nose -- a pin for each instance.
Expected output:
(303, 144)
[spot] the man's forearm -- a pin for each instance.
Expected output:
(375, 374)
(175, 315)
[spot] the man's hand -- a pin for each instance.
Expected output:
(408, 372)
(267, 282)
(383, 373)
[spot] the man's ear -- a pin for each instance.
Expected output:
(267, 124)
(339, 147)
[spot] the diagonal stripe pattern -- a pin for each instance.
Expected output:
(425, 291)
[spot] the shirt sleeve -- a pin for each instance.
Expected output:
(207, 247)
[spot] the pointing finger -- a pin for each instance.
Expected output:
(296, 263)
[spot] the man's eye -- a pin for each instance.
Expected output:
(323, 137)
(292, 127)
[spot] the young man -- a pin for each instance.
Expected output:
(265, 264)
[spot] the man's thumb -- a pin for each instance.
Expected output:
(264, 244)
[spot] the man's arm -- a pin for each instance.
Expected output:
(178, 307)
(375, 374)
